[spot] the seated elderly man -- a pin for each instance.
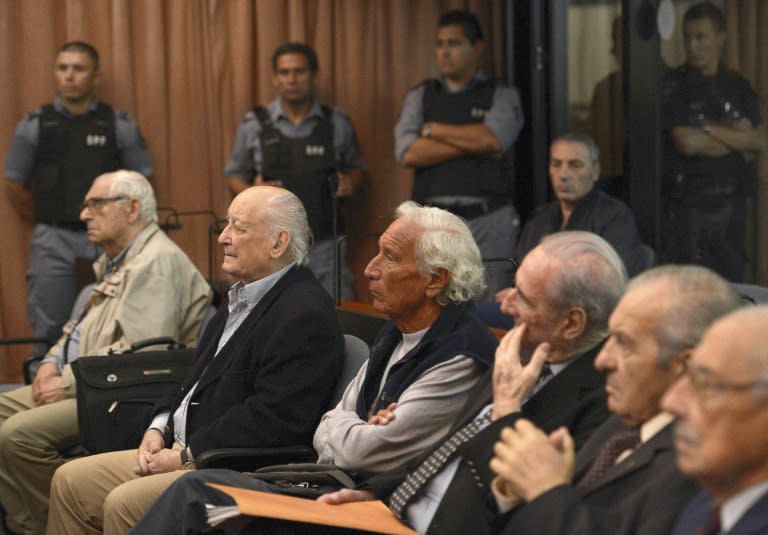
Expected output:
(266, 367)
(623, 480)
(147, 287)
(721, 434)
(567, 287)
(424, 363)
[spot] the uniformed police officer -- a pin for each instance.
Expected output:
(456, 131)
(297, 143)
(712, 128)
(56, 152)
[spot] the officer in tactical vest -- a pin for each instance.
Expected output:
(310, 149)
(457, 131)
(56, 152)
(713, 129)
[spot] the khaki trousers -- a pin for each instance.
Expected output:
(31, 438)
(102, 494)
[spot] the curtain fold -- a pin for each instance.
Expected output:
(747, 52)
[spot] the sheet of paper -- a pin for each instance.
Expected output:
(370, 516)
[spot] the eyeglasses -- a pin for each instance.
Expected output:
(704, 382)
(97, 203)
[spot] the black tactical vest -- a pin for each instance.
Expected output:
(477, 177)
(71, 152)
(304, 165)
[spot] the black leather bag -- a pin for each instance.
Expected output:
(306, 480)
(116, 394)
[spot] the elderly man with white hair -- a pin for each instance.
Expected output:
(264, 372)
(424, 363)
(147, 287)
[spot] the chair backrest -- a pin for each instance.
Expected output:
(361, 324)
(355, 353)
(753, 293)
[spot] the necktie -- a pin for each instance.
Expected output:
(712, 526)
(432, 464)
(606, 457)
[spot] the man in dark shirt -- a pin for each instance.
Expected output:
(574, 169)
(712, 128)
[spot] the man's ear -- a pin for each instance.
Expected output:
(282, 241)
(574, 323)
(134, 208)
(437, 282)
(679, 362)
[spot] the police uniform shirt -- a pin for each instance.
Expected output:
(21, 156)
(504, 119)
(246, 156)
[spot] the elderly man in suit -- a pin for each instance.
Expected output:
(624, 480)
(721, 435)
(266, 368)
(566, 289)
(424, 363)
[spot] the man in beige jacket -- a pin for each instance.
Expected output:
(146, 287)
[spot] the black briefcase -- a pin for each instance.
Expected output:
(116, 394)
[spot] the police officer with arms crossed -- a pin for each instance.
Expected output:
(56, 152)
(713, 128)
(296, 143)
(456, 131)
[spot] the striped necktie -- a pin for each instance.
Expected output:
(405, 492)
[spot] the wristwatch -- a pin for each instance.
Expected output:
(426, 129)
(185, 460)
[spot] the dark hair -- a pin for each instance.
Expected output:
(296, 48)
(582, 139)
(81, 46)
(706, 10)
(467, 20)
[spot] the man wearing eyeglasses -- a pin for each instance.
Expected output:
(56, 152)
(721, 434)
(147, 287)
(623, 480)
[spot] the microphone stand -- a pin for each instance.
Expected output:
(172, 222)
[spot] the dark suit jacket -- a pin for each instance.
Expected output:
(574, 398)
(641, 495)
(754, 521)
(273, 380)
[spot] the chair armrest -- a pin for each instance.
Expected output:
(249, 459)
(25, 340)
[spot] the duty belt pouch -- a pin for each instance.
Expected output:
(116, 394)
(306, 480)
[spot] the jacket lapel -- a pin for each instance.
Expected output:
(568, 386)
(639, 459)
(218, 364)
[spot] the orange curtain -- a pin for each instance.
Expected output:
(747, 53)
(188, 71)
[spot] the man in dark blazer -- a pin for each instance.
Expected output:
(266, 368)
(566, 288)
(721, 435)
(624, 479)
